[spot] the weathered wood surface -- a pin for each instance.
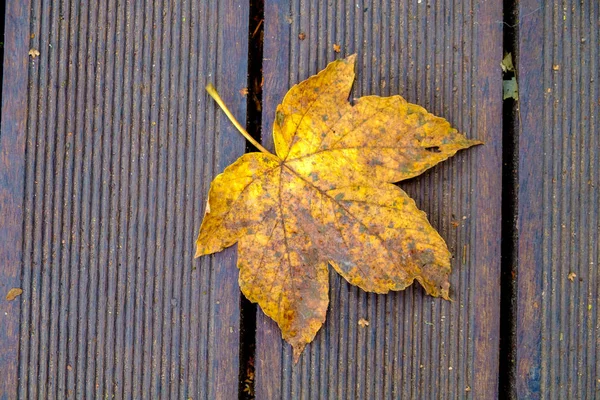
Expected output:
(445, 56)
(558, 319)
(12, 151)
(109, 142)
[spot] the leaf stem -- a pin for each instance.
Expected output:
(215, 95)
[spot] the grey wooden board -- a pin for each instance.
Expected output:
(12, 148)
(117, 142)
(444, 56)
(558, 320)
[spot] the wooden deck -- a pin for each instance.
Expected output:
(108, 143)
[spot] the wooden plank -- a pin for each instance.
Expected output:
(12, 152)
(121, 144)
(558, 319)
(445, 56)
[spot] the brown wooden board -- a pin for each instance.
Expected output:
(12, 151)
(109, 142)
(558, 319)
(445, 56)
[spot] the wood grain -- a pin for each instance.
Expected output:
(558, 319)
(110, 142)
(444, 56)
(12, 171)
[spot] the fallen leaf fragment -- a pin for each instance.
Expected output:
(507, 63)
(363, 322)
(510, 89)
(34, 53)
(571, 276)
(244, 91)
(13, 293)
(336, 48)
(302, 36)
(326, 198)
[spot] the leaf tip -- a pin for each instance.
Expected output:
(199, 252)
(445, 290)
(298, 349)
(351, 59)
(474, 142)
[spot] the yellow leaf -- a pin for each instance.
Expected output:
(327, 198)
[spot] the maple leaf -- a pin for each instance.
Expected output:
(327, 198)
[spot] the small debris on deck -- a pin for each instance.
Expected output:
(13, 293)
